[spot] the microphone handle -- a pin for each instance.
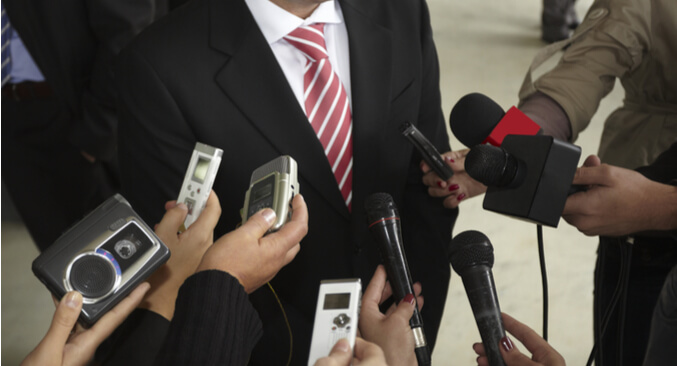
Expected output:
(397, 269)
(481, 290)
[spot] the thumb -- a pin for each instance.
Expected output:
(171, 221)
(340, 355)
(341, 352)
(405, 309)
(511, 355)
(258, 224)
(65, 317)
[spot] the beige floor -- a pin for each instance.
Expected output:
(484, 46)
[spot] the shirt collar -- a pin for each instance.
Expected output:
(276, 22)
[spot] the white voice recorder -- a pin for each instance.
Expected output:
(197, 184)
(336, 316)
(273, 185)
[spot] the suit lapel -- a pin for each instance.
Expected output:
(254, 81)
(370, 71)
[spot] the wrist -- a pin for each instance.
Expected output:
(666, 212)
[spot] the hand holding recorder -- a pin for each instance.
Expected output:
(458, 188)
(68, 343)
(366, 354)
(187, 249)
(253, 258)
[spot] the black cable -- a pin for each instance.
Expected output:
(544, 279)
(621, 289)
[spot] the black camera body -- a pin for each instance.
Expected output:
(104, 257)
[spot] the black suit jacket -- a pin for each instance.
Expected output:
(207, 74)
(74, 42)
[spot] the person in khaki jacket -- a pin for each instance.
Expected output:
(636, 42)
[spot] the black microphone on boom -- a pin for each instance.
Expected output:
(384, 224)
(472, 256)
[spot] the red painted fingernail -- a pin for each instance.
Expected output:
(453, 187)
(450, 159)
(506, 343)
(410, 299)
(440, 184)
(461, 196)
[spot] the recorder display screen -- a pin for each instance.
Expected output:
(201, 169)
(337, 301)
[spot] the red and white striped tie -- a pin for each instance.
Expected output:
(327, 105)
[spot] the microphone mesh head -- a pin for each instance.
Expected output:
(470, 249)
(474, 117)
(491, 165)
(379, 206)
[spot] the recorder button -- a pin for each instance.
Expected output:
(341, 320)
(115, 226)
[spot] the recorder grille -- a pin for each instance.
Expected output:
(92, 276)
(276, 165)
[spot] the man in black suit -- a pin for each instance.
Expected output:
(58, 125)
(212, 73)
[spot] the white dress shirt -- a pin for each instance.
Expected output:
(275, 23)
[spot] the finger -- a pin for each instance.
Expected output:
(432, 180)
(417, 288)
(511, 355)
(451, 201)
(113, 318)
(405, 309)
(291, 253)
(293, 231)
(483, 361)
(65, 318)
(386, 293)
(171, 221)
(170, 205)
(479, 349)
(369, 351)
(372, 295)
(592, 160)
(209, 217)
(595, 175)
(529, 338)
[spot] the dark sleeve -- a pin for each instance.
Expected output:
(661, 347)
(114, 24)
(664, 168)
(214, 323)
(136, 341)
(155, 141)
(426, 224)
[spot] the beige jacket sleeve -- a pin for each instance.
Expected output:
(609, 43)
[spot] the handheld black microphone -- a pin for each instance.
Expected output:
(472, 256)
(477, 119)
(384, 224)
(495, 167)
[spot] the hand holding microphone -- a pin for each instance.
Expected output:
(384, 223)
(542, 352)
(472, 256)
(475, 119)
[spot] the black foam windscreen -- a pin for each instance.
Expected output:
(380, 205)
(92, 276)
(470, 249)
(491, 166)
(474, 117)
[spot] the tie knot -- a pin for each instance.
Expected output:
(309, 39)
